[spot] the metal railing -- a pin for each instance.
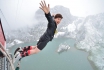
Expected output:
(2, 63)
(6, 61)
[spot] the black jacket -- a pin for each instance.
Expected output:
(51, 28)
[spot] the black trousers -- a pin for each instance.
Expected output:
(42, 42)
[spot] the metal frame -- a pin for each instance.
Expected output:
(7, 56)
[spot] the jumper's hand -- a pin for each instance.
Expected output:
(44, 7)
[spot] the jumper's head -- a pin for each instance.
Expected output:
(58, 18)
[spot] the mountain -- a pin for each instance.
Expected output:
(89, 36)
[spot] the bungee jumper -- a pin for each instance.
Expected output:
(48, 35)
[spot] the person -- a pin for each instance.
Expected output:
(45, 38)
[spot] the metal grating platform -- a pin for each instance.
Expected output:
(2, 66)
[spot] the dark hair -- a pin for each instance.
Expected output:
(58, 16)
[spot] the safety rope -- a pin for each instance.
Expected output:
(5, 18)
(18, 65)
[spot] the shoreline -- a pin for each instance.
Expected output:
(90, 62)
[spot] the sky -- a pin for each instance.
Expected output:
(18, 13)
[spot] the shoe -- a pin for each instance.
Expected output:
(18, 49)
(17, 57)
